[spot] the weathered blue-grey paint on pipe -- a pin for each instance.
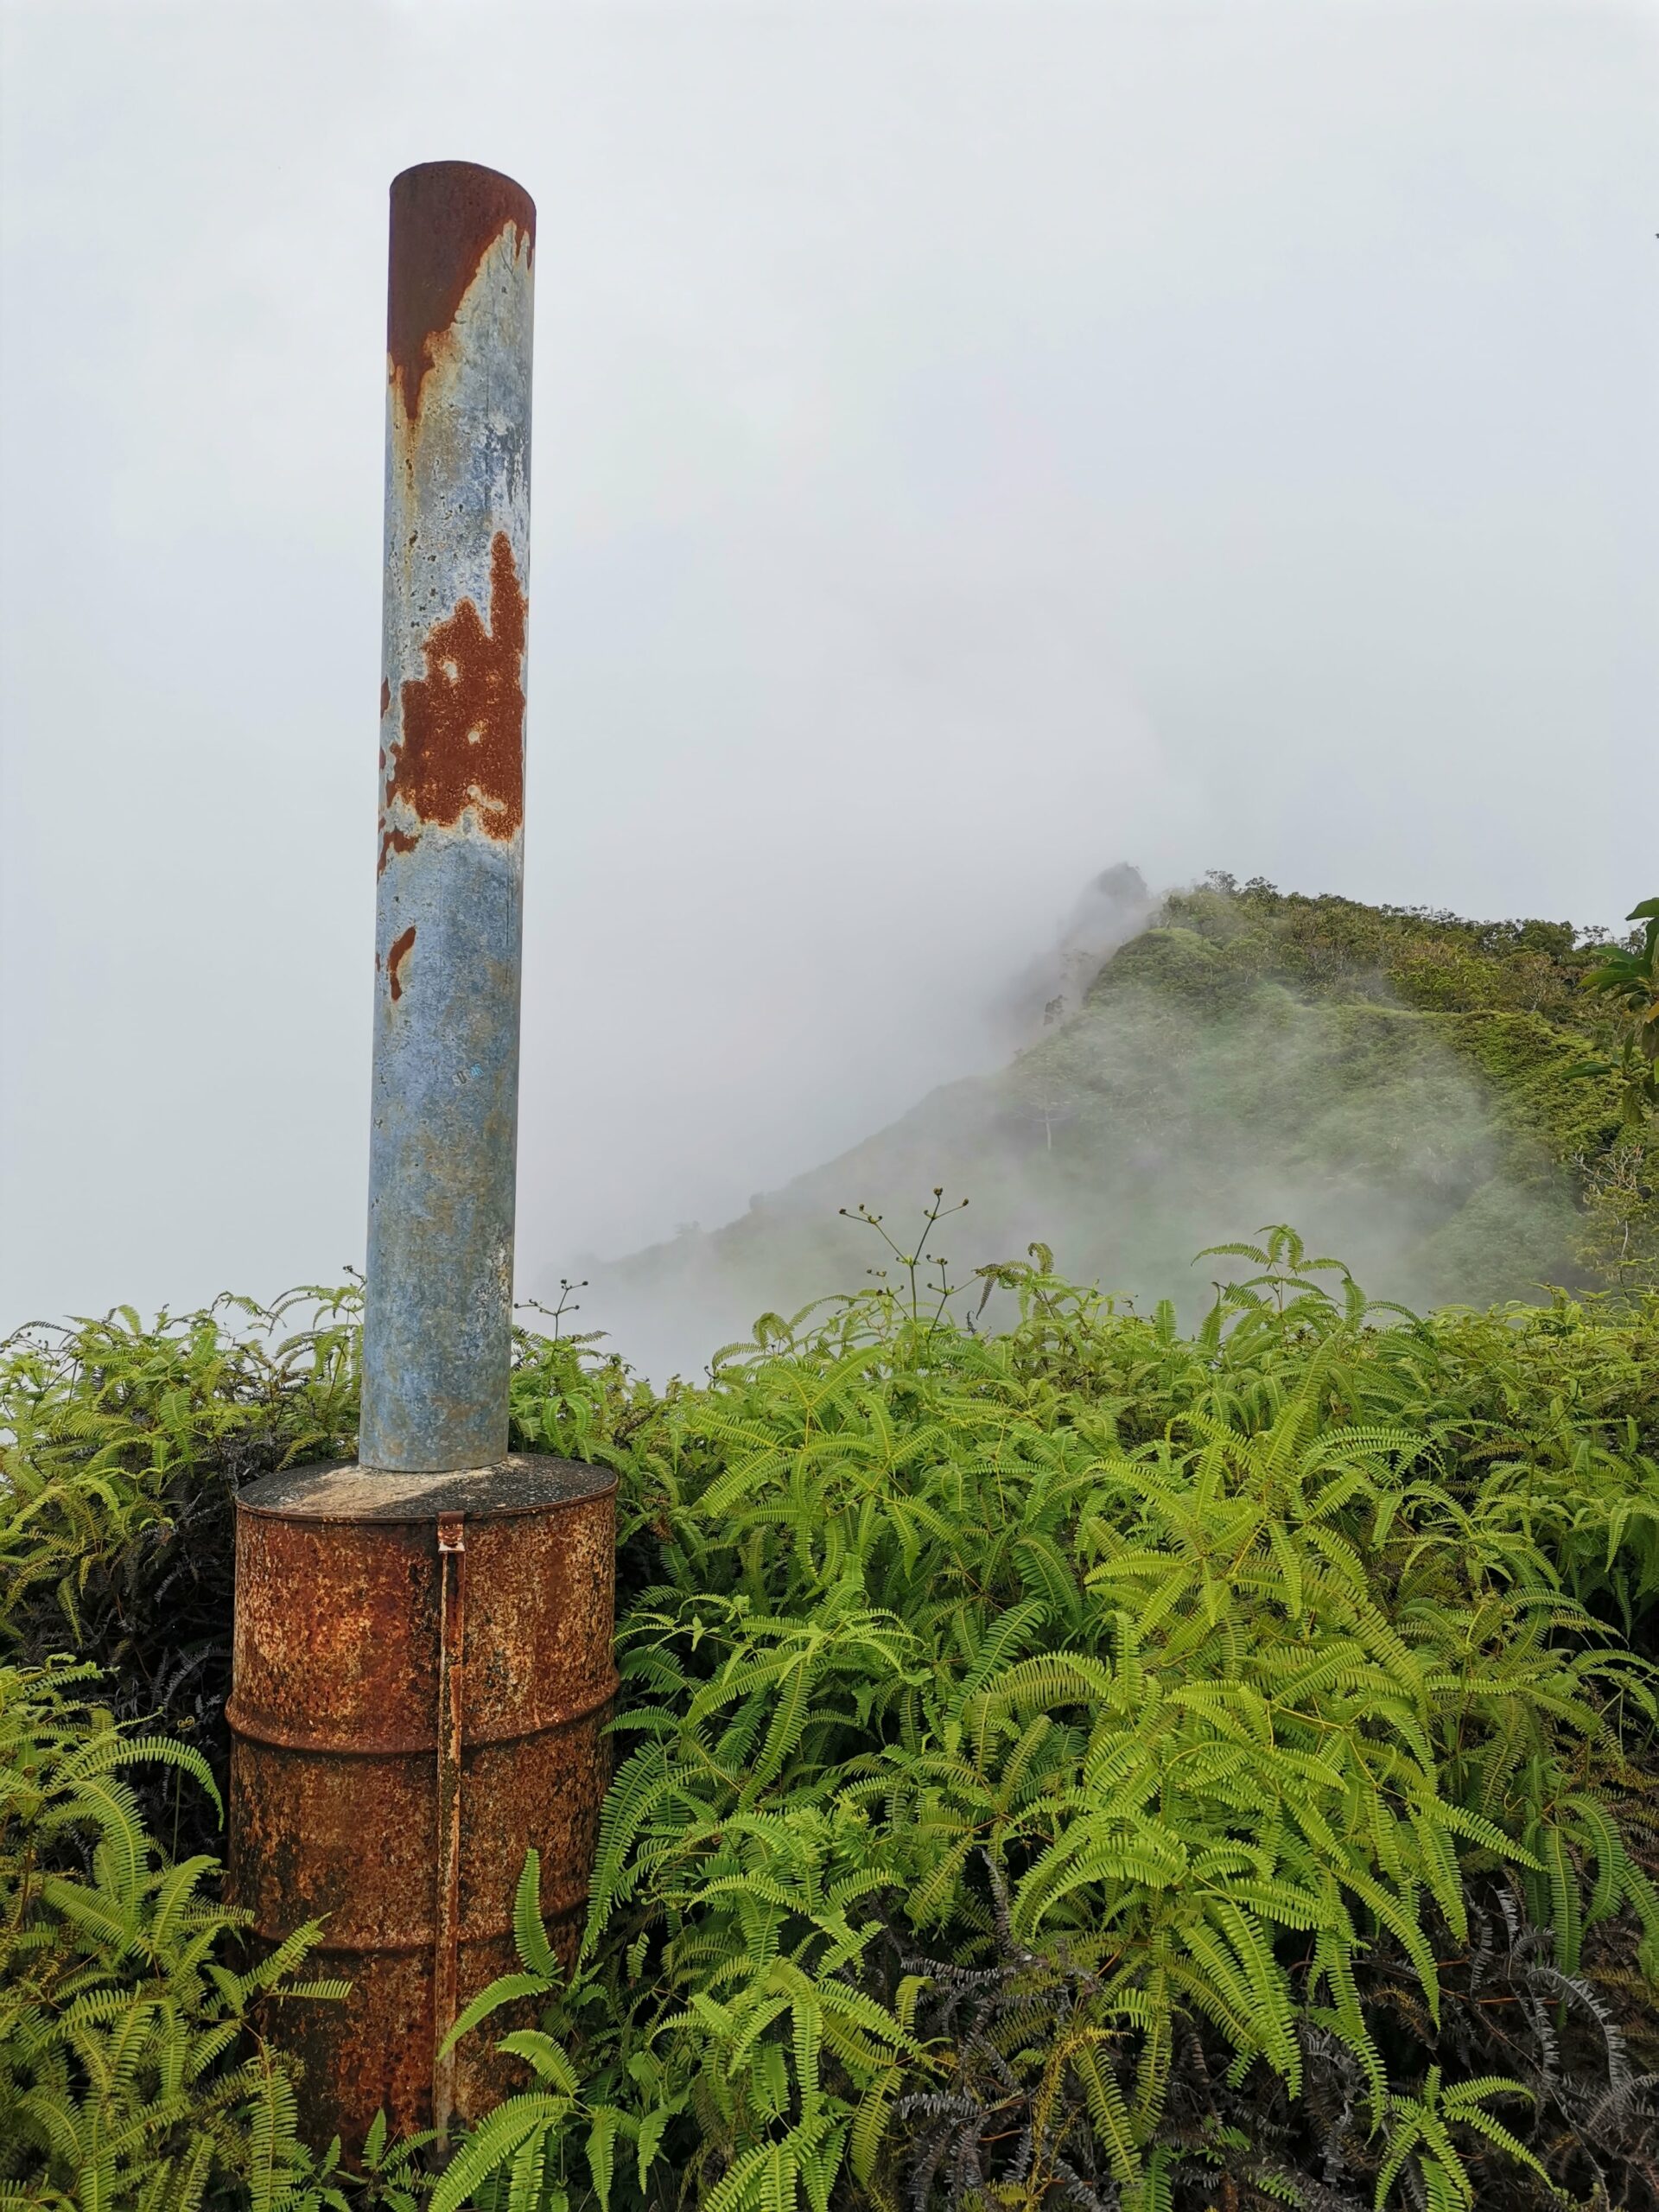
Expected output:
(437, 1329)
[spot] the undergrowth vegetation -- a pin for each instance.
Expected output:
(1088, 1763)
(1077, 1761)
(1094, 1764)
(132, 2073)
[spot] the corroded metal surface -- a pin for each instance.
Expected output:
(341, 1690)
(448, 910)
(446, 1948)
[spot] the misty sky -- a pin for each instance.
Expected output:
(974, 444)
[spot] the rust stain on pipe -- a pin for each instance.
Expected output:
(446, 216)
(463, 722)
(401, 948)
(348, 1718)
(395, 841)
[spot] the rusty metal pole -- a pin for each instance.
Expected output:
(421, 1661)
(437, 1328)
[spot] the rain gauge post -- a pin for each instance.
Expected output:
(423, 1662)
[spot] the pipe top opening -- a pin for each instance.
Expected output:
(445, 218)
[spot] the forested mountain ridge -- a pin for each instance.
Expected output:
(1506, 999)
(1400, 1083)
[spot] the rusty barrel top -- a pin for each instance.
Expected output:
(337, 1604)
(336, 1715)
(522, 1482)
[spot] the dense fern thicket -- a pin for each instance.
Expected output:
(1100, 1764)
(1093, 1762)
(132, 2072)
(1396, 1082)
(125, 1448)
(1071, 1755)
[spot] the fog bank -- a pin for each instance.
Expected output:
(970, 441)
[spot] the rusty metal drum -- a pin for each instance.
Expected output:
(422, 1673)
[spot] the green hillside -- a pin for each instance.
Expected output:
(1397, 1082)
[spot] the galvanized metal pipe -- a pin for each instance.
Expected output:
(448, 916)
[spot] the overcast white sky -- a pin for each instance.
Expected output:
(974, 444)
